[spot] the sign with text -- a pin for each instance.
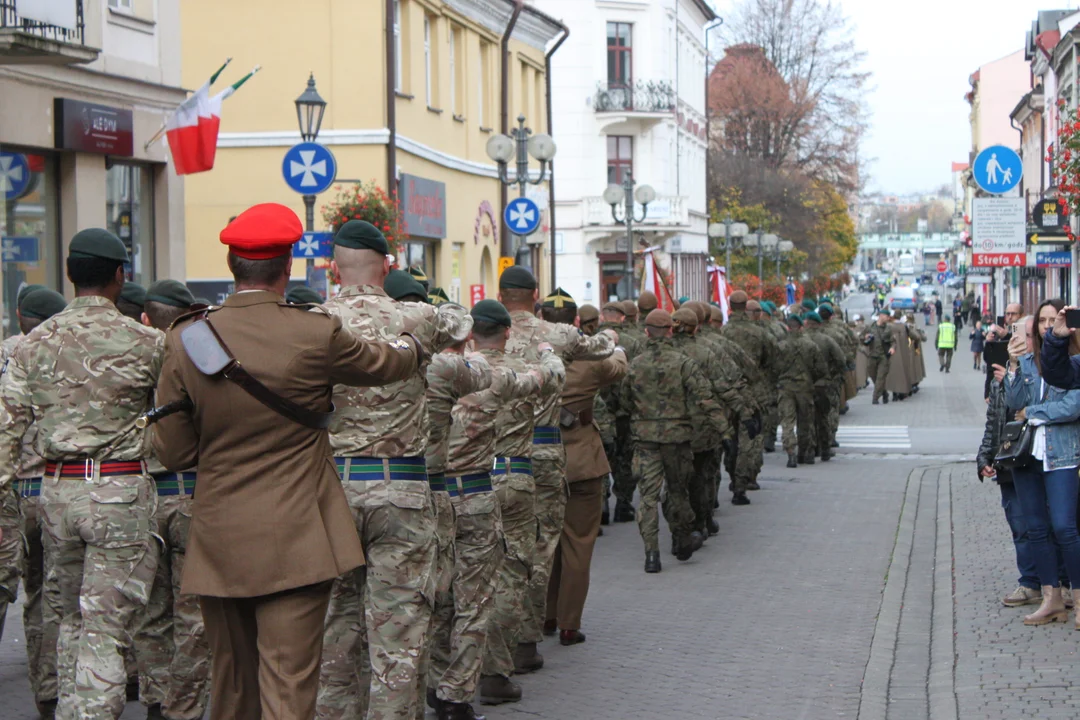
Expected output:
(998, 232)
(505, 262)
(476, 294)
(423, 202)
(91, 128)
(1059, 259)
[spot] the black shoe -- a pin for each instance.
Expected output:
(652, 561)
(551, 627)
(771, 447)
(599, 532)
(712, 526)
(458, 711)
(791, 461)
(690, 545)
(885, 398)
(605, 513)
(433, 700)
(526, 659)
(624, 512)
(826, 455)
(753, 485)
(807, 460)
(46, 709)
(716, 502)
(153, 712)
(496, 690)
(133, 690)
(948, 370)
(740, 498)
(875, 402)
(834, 444)
(571, 637)
(844, 410)
(941, 369)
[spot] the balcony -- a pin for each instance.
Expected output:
(667, 212)
(633, 107)
(49, 33)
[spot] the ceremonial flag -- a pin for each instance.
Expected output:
(653, 281)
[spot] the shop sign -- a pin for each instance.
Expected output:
(424, 205)
(1058, 259)
(998, 232)
(476, 294)
(1050, 217)
(86, 127)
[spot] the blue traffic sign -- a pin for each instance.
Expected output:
(15, 175)
(309, 168)
(20, 249)
(940, 278)
(522, 216)
(314, 245)
(997, 169)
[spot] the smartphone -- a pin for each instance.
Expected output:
(1000, 321)
(996, 352)
(1072, 318)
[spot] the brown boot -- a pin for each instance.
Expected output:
(496, 690)
(1051, 610)
(526, 659)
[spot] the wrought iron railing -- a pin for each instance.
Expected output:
(638, 96)
(9, 18)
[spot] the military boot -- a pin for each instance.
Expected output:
(526, 659)
(153, 712)
(433, 700)
(712, 526)
(791, 461)
(605, 513)
(496, 690)
(652, 561)
(690, 545)
(46, 709)
(458, 711)
(826, 455)
(624, 512)
(740, 498)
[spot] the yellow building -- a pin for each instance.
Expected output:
(447, 103)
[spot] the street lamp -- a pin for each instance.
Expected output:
(310, 108)
(518, 145)
(733, 233)
(765, 243)
(625, 193)
(782, 248)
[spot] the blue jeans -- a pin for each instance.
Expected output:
(1048, 501)
(1025, 559)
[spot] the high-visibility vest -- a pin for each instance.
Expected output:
(946, 336)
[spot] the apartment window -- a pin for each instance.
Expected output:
(399, 56)
(485, 82)
(427, 61)
(620, 158)
(456, 84)
(619, 54)
(121, 4)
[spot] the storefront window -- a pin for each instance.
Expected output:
(419, 255)
(29, 226)
(129, 211)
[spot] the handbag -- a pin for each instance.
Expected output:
(1017, 441)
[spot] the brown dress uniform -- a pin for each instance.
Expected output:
(270, 525)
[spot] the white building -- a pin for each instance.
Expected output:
(628, 96)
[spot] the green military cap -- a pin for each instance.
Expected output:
(361, 235)
(134, 293)
(826, 310)
(768, 307)
(97, 243)
(170, 292)
(794, 320)
(419, 274)
(811, 317)
(41, 303)
(589, 313)
(491, 311)
(303, 295)
(517, 277)
(685, 316)
(809, 304)
(24, 291)
(400, 284)
(438, 296)
(559, 299)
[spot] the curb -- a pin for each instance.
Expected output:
(941, 689)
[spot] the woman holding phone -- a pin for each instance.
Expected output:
(1047, 488)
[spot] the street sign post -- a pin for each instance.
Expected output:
(998, 232)
(522, 216)
(997, 169)
(314, 245)
(15, 175)
(20, 249)
(941, 278)
(942, 266)
(309, 168)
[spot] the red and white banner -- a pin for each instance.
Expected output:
(718, 288)
(653, 281)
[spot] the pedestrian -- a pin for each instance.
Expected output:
(81, 379)
(877, 340)
(945, 342)
(937, 307)
(1047, 487)
(978, 343)
(271, 528)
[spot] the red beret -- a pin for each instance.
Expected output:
(262, 232)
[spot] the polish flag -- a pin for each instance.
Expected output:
(193, 127)
(654, 282)
(718, 288)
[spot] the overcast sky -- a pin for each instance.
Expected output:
(921, 53)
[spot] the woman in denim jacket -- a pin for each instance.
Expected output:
(1047, 488)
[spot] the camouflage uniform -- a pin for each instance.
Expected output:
(827, 400)
(771, 418)
(632, 340)
(666, 393)
(379, 437)
(802, 366)
(760, 345)
(12, 557)
(459, 637)
(878, 341)
(548, 454)
(515, 488)
(450, 376)
(82, 378)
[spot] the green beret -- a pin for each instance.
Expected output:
(684, 299)
(97, 243)
(400, 284)
(794, 320)
(303, 295)
(134, 293)
(491, 311)
(438, 296)
(559, 299)
(170, 292)
(24, 291)
(812, 316)
(809, 304)
(41, 303)
(826, 309)
(766, 307)
(518, 277)
(361, 235)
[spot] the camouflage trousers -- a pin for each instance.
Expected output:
(770, 420)
(516, 493)
(380, 613)
(744, 466)
(622, 472)
(797, 420)
(459, 637)
(443, 600)
(170, 643)
(11, 551)
(827, 407)
(663, 469)
(550, 476)
(877, 369)
(703, 486)
(40, 637)
(100, 560)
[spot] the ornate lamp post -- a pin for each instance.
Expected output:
(782, 248)
(625, 194)
(310, 108)
(733, 233)
(519, 146)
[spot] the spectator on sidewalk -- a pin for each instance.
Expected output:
(945, 342)
(937, 308)
(1013, 311)
(1047, 488)
(978, 341)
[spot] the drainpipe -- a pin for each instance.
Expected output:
(551, 132)
(391, 101)
(505, 248)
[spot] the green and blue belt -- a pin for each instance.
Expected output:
(437, 482)
(547, 435)
(28, 487)
(363, 469)
(458, 485)
(182, 483)
(518, 465)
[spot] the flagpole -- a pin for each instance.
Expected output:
(161, 130)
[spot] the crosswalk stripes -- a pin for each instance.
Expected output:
(891, 437)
